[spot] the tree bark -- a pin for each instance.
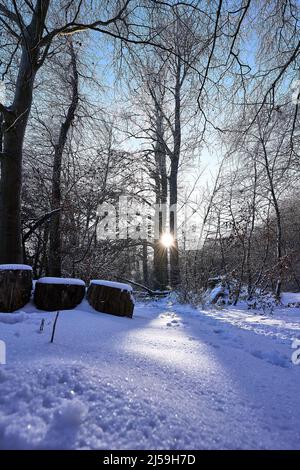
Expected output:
(145, 263)
(15, 289)
(174, 253)
(50, 296)
(160, 257)
(14, 125)
(112, 300)
(54, 259)
(279, 247)
(173, 180)
(10, 201)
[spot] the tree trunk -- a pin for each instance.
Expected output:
(174, 254)
(51, 296)
(14, 126)
(54, 257)
(54, 264)
(160, 264)
(15, 119)
(173, 181)
(11, 250)
(145, 263)
(111, 299)
(160, 256)
(15, 288)
(279, 248)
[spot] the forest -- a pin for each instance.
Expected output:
(149, 228)
(188, 110)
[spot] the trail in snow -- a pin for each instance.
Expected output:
(170, 378)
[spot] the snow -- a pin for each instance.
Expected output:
(116, 285)
(290, 298)
(61, 280)
(17, 317)
(14, 267)
(215, 293)
(173, 377)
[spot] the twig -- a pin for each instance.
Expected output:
(42, 325)
(54, 326)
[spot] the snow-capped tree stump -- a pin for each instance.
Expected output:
(111, 297)
(15, 286)
(55, 293)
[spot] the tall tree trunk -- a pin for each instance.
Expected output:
(15, 119)
(279, 241)
(160, 257)
(54, 258)
(13, 128)
(174, 254)
(145, 263)
(11, 250)
(173, 180)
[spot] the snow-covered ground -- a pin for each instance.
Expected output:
(170, 378)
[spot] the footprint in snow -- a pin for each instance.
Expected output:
(274, 358)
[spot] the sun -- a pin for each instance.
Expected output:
(167, 240)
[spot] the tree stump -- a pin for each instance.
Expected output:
(111, 297)
(15, 286)
(54, 293)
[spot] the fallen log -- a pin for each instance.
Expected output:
(114, 298)
(152, 293)
(55, 293)
(15, 286)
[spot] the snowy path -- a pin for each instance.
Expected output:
(170, 378)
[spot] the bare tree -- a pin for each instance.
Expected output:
(54, 259)
(33, 30)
